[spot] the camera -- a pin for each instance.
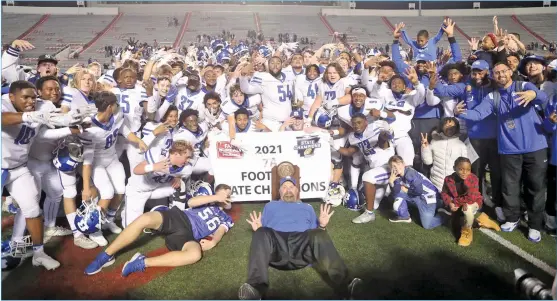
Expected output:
(531, 287)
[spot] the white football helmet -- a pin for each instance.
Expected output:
(335, 195)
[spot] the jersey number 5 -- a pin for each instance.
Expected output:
(211, 223)
(283, 95)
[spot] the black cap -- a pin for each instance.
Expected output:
(194, 78)
(47, 58)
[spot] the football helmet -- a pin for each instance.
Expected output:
(353, 200)
(13, 251)
(200, 188)
(323, 118)
(88, 218)
(68, 154)
(335, 195)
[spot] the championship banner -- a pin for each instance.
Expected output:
(248, 170)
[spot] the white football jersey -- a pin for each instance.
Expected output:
(163, 141)
(75, 99)
(306, 90)
(403, 107)
(100, 139)
(153, 180)
(251, 103)
(196, 140)
(291, 74)
(130, 101)
(43, 148)
(17, 139)
(276, 94)
(187, 99)
(331, 92)
(380, 157)
(346, 112)
(365, 142)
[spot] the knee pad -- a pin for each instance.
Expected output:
(32, 211)
(106, 193)
(70, 192)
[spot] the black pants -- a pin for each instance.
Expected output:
(292, 251)
(488, 153)
(419, 126)
(551, 202)
(532, 169)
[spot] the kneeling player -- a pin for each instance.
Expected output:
(156, 177)
(185, 231)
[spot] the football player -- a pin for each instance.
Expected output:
(186, 231)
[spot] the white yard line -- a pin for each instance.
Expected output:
(518, 251)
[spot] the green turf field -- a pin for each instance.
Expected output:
(395, 261)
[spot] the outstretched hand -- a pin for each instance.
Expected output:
(255, 220)
(325, 215)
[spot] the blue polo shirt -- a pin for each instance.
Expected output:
(289, 216)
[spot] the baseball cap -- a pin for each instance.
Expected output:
(297, 113)
(287, 179)
(480, 65)
(359, 91)
(524, 61)
(423, 57)
(47, 58)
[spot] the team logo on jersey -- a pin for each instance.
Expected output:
(226, 150)
(306, 145)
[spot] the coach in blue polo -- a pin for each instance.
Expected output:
(289, 236)
(522, 146)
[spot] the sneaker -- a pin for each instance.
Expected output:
(365, 217)
(99, 238)
(484, 221)
(500, 215)
(84, 242)
(248, 292)
(136, 264)
(399, 219)
(509, 226)
(534, 235)
(50, 232)
(40, 258)
(102, 260)
(466, 237)
(112, 227)
(353, 286)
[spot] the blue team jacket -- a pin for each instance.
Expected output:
(520, 129)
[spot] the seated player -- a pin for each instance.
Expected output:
(289, 236)
(185, 231)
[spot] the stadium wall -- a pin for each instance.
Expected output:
(438, 12)
(60, 10)
(165, 9)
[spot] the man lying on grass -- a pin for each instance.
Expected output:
(185, 231)
(289, 236)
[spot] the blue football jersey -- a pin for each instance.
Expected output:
(205, 220)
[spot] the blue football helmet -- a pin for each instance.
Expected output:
(353, 200)
(217, 45)
(88, 218)
(13, 251)
(200, 188)
(69, 154)
(223, 57)
(322, 118)
(265, 51)
(241, 50)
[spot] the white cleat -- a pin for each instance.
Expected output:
(365, 217)
(112, 227)
(99, 238)
(50, 232)
(84, 242)
(40, 258)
